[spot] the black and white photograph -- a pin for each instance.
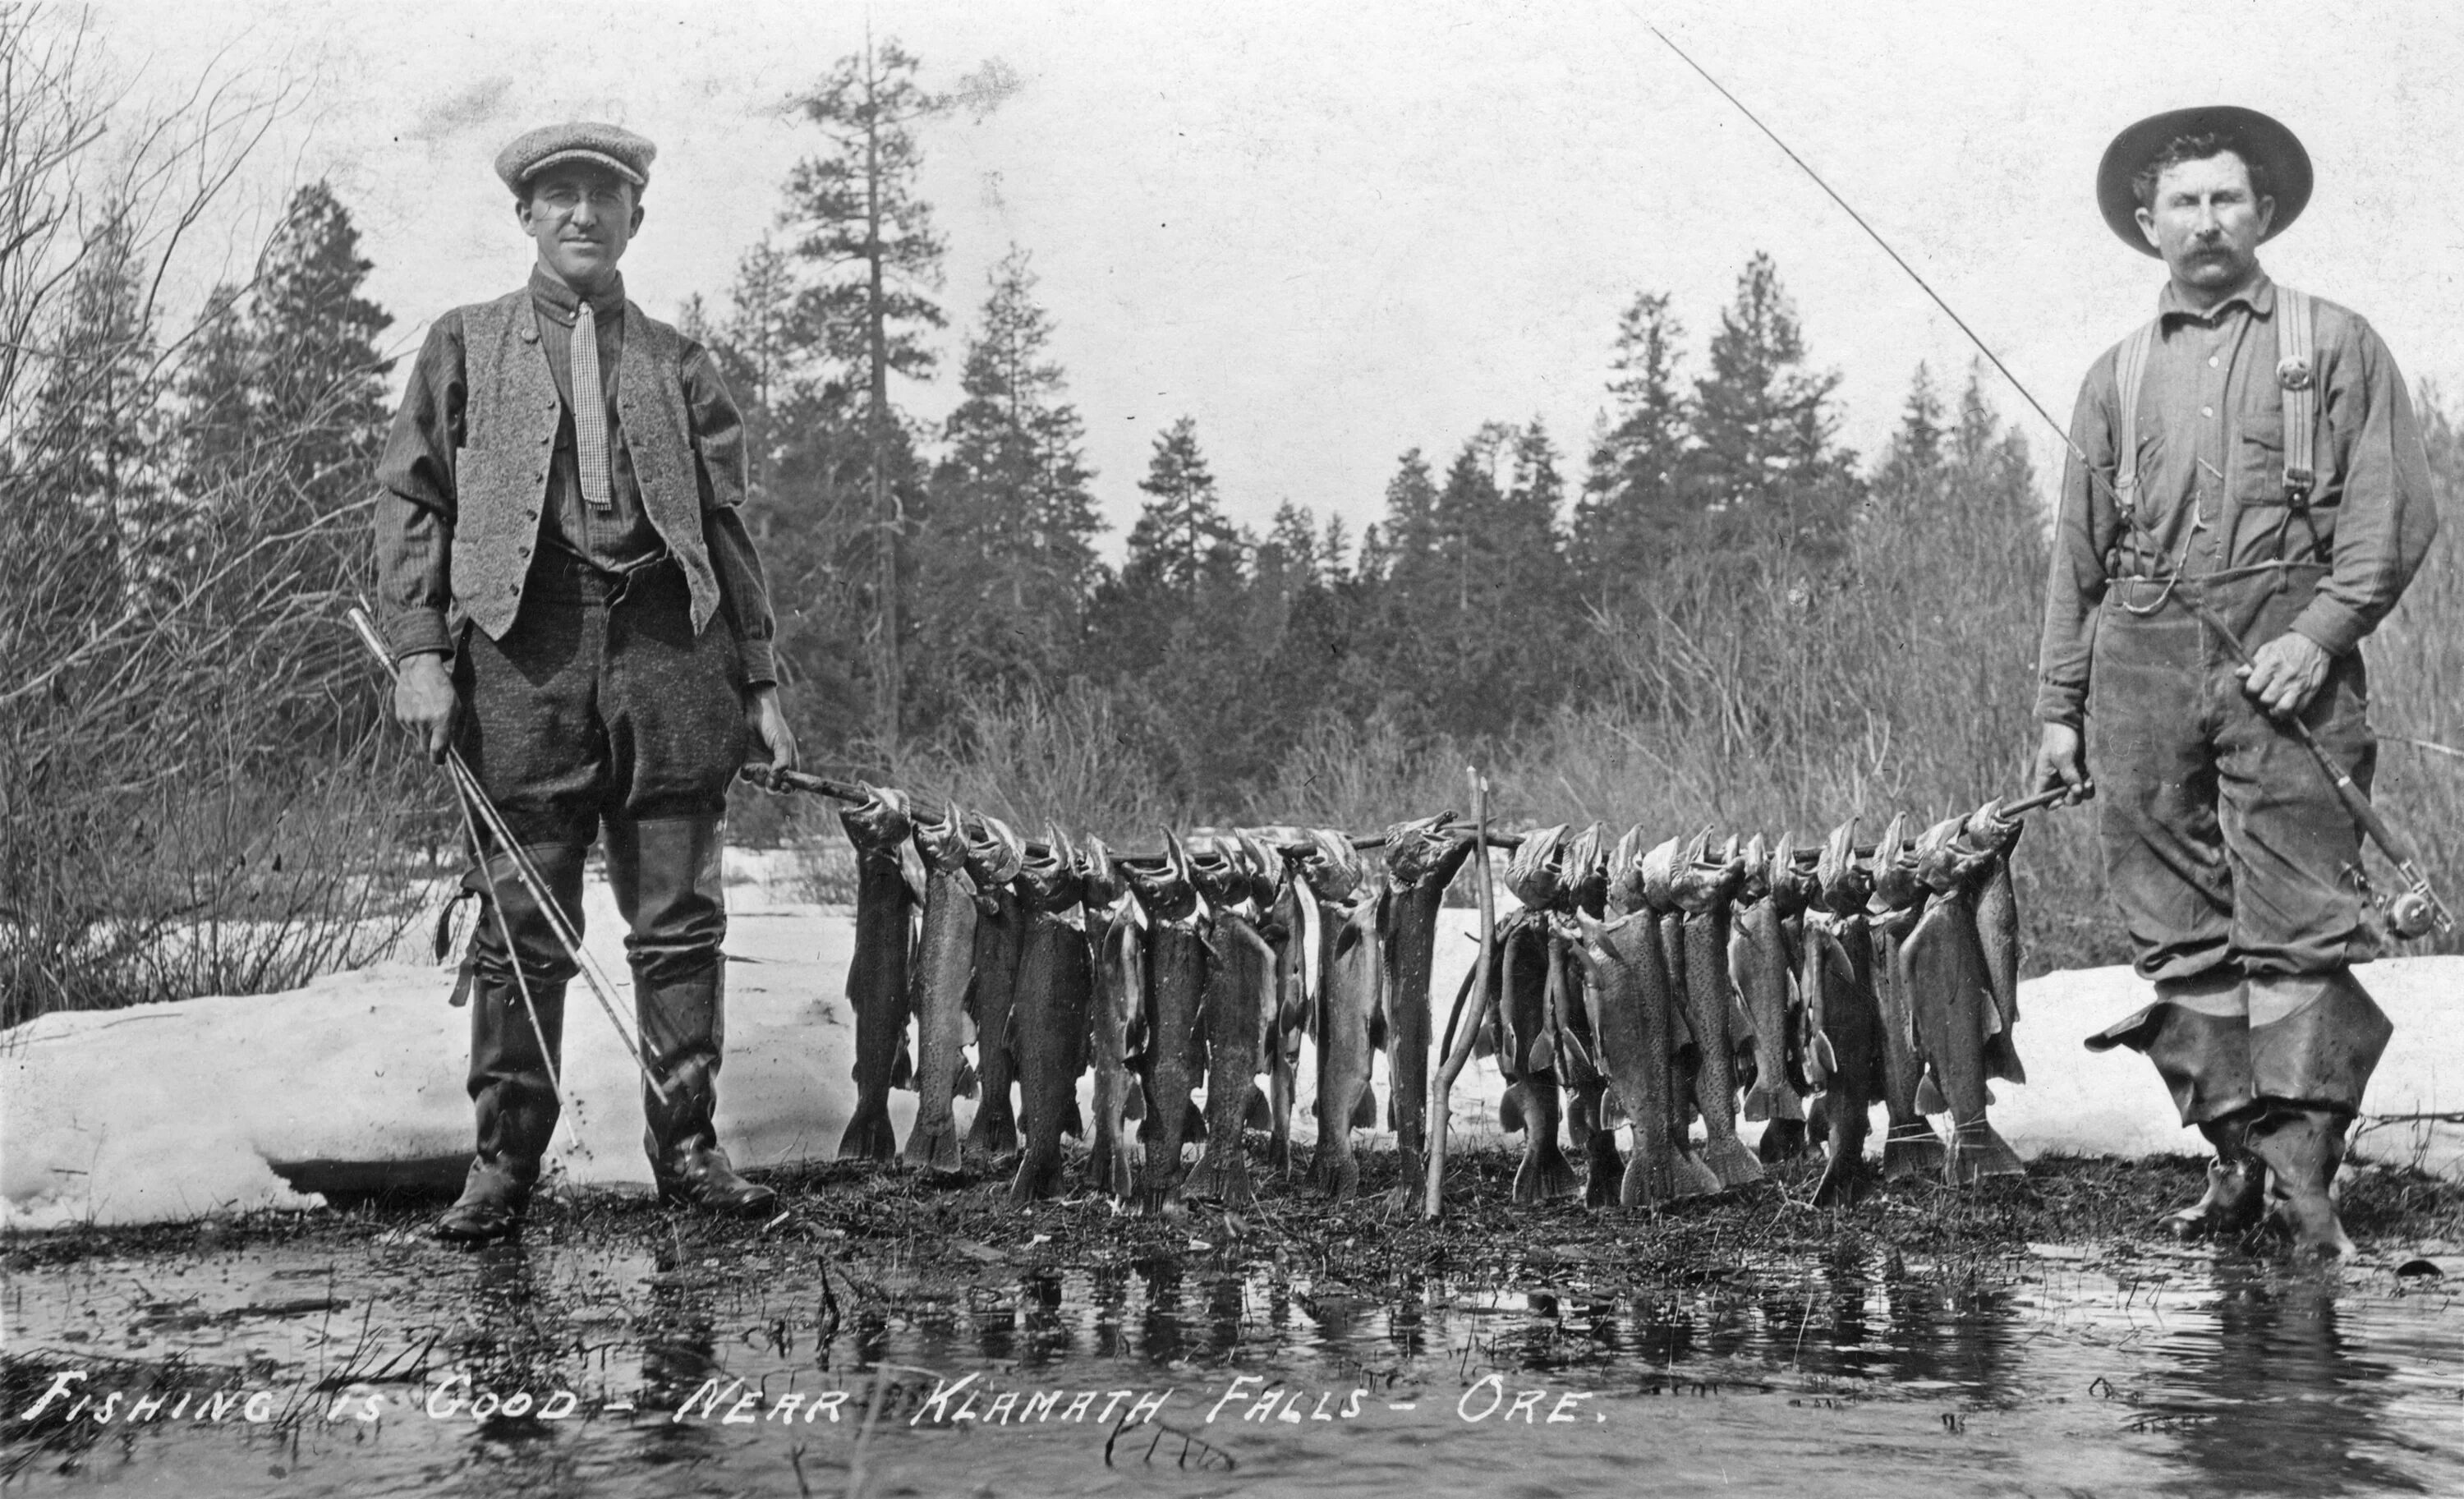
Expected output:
(1269, 749)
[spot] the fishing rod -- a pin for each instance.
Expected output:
(2416, 912)
(466, 790)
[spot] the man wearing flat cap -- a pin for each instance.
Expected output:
(566, 583)
(2253, 449)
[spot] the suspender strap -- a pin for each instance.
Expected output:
(2297, 376)
(2129, 371)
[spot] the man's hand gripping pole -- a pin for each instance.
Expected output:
(471, 799)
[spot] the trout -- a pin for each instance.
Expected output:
(1421, 858)
(1910, 1148)
(994, 855)
(1048, 1014)
(1951, 987)
(1626, 990)
(1703, 889)
(1758, 956)
(1586, 885)
(1997, 928)
(1845, 1021)
(1239, 1001)
(1691, 1175)
(1528, 1037)
(945, 957)
(1113, 1028)
(876, 982)
(1175, 978)
(1348, 995)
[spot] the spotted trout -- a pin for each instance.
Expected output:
(1952, 992)
(945, 959)
(1348, 1002)
(1048, 1014)
(1626, 990)
(994, 855)
(1238, 1005)
(1421, 858)
(1910, 1148)
(1116, 1028)
(1703, 888)
(1844, 1017)
(1172, 1060)
(1585, 885)
(876, 982)
(1691, 1175)
(1997, 929)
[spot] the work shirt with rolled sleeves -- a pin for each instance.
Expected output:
(2211, 437)
(415, 501)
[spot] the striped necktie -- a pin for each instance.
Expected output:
(590, 413)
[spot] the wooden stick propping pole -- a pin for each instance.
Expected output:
(1442, 1087)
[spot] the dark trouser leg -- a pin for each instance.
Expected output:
(667, 876)
(512, 1092)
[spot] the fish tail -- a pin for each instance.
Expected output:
(1509, 1110)
(1732, 1162)
(1911, 1149)
(1690, 1176)
(2002, 1059)
(994, 1133)
(1603, 1166)
(1783, 1140)
(1546, 1175)
(1978, 1150)
(1337, 1171)
(1042, 1173)
(935, 1146)
(1223, 1174)
(1647, 1181)
(1930, 1099)
(1771, 1100)
(869, 1134)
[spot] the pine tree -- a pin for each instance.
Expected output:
(875, 260)
(1764, 471)
(1182, 534)
(1004, 574)
(1632, 502)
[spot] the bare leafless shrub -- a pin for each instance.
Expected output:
(193, 798)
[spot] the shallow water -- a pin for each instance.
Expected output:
(2048, 1374)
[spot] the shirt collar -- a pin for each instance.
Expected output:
(2257, 296)
(563, 302)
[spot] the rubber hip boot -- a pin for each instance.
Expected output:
(2302, 1147)
(512, 1092)
(666, 876)
(2236, 1191)
(2198, 1035)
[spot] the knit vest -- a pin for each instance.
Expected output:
(510, 420)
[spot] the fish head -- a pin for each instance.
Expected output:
(1992, 831)
(1754, 865)
(1792, 877)
(1104, 886)
(1893, 869)
(1265, 866)
(1332, 864)
(1845, 882)
(1412, 849)
(1658, 876)
(995, 852)
(1534, 871)
(879, 822)
(942, 841)
(1946, 860)
(1624, 872)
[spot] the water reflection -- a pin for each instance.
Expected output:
(2273, 1397)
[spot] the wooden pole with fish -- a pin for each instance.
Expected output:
(1464, 1027)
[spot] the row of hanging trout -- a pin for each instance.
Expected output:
(1646, 988)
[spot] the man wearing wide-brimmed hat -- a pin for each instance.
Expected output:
(2253, 446)
(568, 585)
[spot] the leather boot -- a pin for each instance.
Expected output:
(2236, 1185)
(681, 1028)
(665, 877)
(512, 1093)
(2301, 1146)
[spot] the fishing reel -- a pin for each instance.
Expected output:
(2413, 911)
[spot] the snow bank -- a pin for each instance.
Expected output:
(169, 1111)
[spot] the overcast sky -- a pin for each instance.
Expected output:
(1331, 233)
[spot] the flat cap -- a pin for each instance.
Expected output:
(612, 146)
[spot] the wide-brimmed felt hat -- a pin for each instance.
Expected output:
(613, 147)
(2261, 141)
